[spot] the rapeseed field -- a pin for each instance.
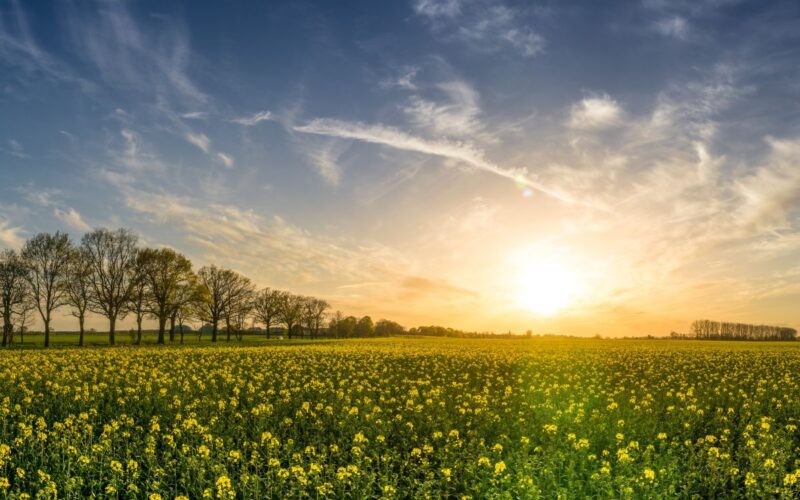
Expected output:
(402, 417)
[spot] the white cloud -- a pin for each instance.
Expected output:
(484, 25)
(10, 236)
(772, 191)
(227, 160)
(255, 119)
(72, 218)
(405, 80)
(142, 57)
(676, 27)
(17, 150)
(195, 115)
(595, 112)
(437, 8)
(135, 156)
(325, 159)
(200, 140)
(267, 248)
(463, 153)
(19, 48)
(456, 117)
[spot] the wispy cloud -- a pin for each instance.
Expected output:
(772, 192)
(226, 160)
(16, 150)
(254, 119)
(403, 80)
(438, 8)
(135, 155)
(71, 218)
(201, 141)
(19, 48)
(484, 25)
(10, 236)
(463, 153)
(268, 248)
(457, 116)
(325, 158)
(195, 115)
(154, 60)
(595, 112)
(675, 26)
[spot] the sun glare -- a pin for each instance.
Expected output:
(546, 288)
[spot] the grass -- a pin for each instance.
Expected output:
(99, 339)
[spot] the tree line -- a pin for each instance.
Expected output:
(705, 329)
(108, 274)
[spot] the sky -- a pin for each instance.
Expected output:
(587, 168)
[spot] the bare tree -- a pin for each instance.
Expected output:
(240, 315)
(214, 283)
(266, 306)
(13, 288)
(24, 313)
(290, 310)
(140, 298)
(47, 257)
(238, 300)
(165, 272)
(78, 288)
(187, 299)
(112, 255)
(315, 314)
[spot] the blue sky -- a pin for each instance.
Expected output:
(425, 160)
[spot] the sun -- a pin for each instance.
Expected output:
(547, 287)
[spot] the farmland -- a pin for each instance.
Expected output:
(403, 417)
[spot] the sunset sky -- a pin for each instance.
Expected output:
(613, 168)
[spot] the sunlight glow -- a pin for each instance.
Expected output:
(546, 288)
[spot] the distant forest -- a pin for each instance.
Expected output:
(704, 329)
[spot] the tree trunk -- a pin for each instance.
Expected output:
(138, 330)
(80, 327)
(6, 323)
(112, 323)
(47, 332)
(172, 328)
(214, 331)
(268, 330)
(180, 325)
(161, 326)
(228, 329)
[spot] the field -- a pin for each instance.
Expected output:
(403, 418)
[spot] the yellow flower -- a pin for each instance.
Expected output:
(499, 467)
(649, 474)
(224, 487)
